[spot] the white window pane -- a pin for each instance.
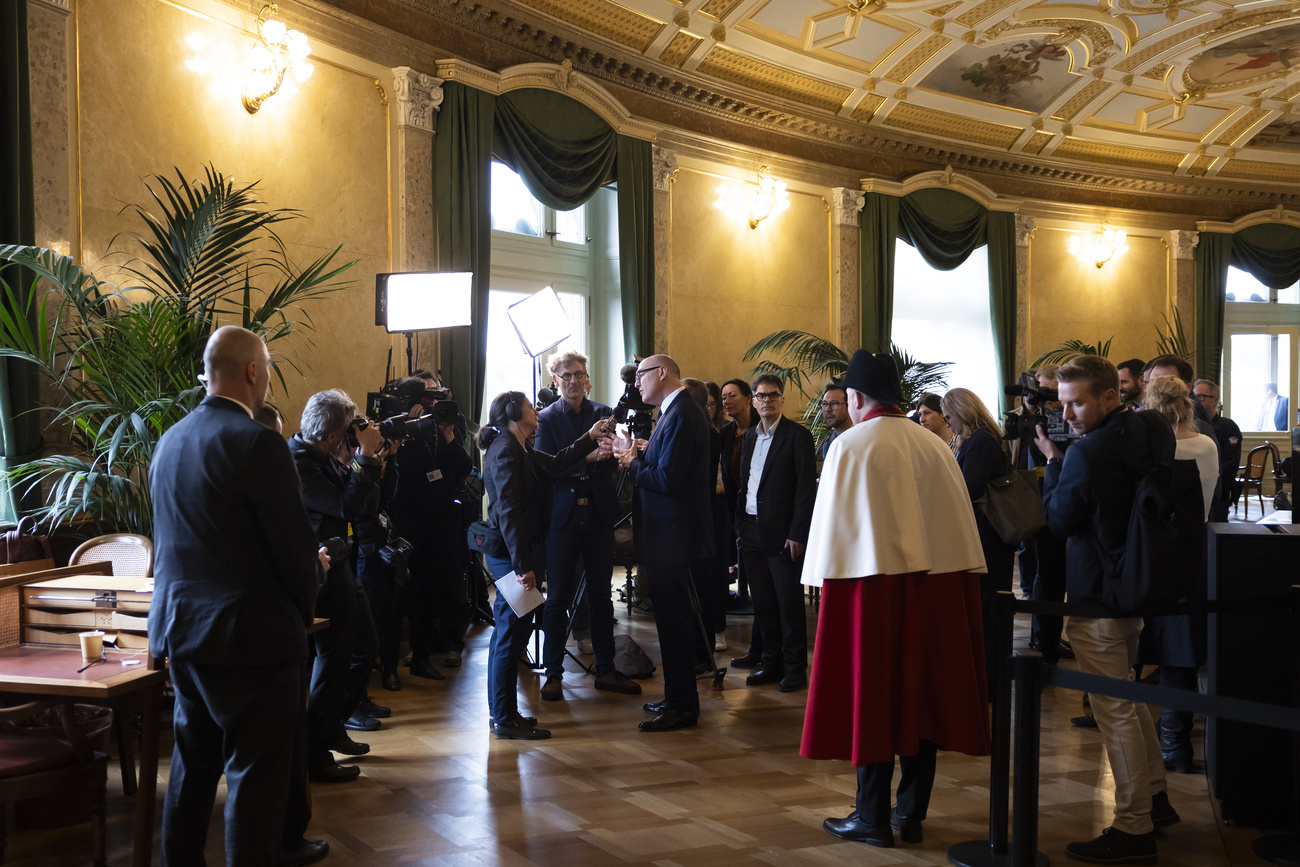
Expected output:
(509, 368)
(944, 316)
(1241, 286)
(513, 208)
(571, 226)
(1258, 362)
(1289, 295)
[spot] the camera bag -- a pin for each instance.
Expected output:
(1014, 506)
(21, 544)
(630, 659)
(483, 538)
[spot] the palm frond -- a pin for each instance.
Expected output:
(1067, 349)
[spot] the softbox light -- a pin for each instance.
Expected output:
(422, 300)
(540, 321)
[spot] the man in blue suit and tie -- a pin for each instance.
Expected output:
(235, 580)
(673, 517)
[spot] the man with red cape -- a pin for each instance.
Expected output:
(898, 665)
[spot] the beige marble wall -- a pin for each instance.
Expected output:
(323, 151)
(48, 41)
(731, 285)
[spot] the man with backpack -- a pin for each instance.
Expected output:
(1088, 498)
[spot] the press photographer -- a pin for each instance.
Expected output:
(428, 469)
(340, 486)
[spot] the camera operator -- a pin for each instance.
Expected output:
(336, 495)
(429, 469)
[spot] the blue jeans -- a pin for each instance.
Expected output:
(509, 635)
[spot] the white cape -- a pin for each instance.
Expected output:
(891, 500)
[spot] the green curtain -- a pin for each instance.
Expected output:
(1270, 253)
(636, 245)
(944, 226)
(462, 161)
(20, 425)
(1213, 255)
(563, 151)
(878, 227)
(1002, 298)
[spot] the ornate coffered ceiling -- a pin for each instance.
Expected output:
(1156, 97)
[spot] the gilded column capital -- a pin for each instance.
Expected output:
(418, 96)
(1024, 229)
(847, 203)
(664, 167)
(1183, 242)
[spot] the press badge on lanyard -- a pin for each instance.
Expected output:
(433, 475)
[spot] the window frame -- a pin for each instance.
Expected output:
(1256, 317)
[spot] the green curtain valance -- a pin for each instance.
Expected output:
(563, 150)
(944, 226)
(1270, 253)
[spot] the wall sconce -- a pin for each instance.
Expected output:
(1101, 246)
(770, 199)
(277, 51)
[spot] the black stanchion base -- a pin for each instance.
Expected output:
(1280, 849)
(978, 853)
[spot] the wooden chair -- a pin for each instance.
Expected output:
(1251, 476)
(129, 553)
(1280, 477)
(33, 765)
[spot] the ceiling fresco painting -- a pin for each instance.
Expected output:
(1182, 88)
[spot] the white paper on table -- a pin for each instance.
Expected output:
(521, 601)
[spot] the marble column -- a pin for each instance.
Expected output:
(664, 168)
(1182, 278)
(1024, 233)
(54, 155)
(846, 254)
(416, 96)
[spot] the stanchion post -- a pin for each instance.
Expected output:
(1284, 849)
(1027, 668)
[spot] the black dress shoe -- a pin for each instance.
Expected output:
(616, 681)
(1178, 759)
(517, 720)
(518, 730)
(376, 711)
(853, 828)
(348, 747)
(359, 722)
(305, 852)
(553, 688)
(765, 675)
(794, 681)
(334, 773)
(1163, 813)
(424, 669)
(655, 707)
(670, 720)
(909, 829)
(391, 681)
(749, 660)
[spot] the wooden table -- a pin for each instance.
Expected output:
(39, 669)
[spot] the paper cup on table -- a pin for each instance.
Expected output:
(92, 645)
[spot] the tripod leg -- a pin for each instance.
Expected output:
(718, 672)
(568, 632)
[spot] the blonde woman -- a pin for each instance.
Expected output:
(981, 458)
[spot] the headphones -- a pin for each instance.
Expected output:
(515, 407)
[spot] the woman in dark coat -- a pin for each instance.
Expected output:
(519, 508)
(981, 458)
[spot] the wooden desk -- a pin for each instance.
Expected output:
(34, 669)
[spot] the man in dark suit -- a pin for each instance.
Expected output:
(774, 503)
(235, 579)
(673, 518)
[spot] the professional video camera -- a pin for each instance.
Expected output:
(390, 408)
(631, 410)
(545, 397)
(1024, 425)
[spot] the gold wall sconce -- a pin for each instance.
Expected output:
(1101, 246)
(770, 199)
(277, 52)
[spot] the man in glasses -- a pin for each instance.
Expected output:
(581, 536)
(1206, 393)
(835, 412)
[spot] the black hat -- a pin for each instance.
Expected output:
(876, 376)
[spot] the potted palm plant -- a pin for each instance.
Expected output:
(122, 362)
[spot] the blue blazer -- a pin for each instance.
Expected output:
(673, 495)
(557, 428)
(235, 569)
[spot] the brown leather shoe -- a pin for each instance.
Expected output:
(616, 681)
(553, 689)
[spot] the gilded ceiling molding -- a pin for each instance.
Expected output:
(1025, 226)
(1182, 243)
(418, 96)
(559, 77)
(664, 166)
(1258, 218)
(950, 179)
(846, 205)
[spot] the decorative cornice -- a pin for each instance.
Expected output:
(846, 205)
(418, 96)
(1258, 218)
(64, 6)
(949, 179)
(664, 167)
(1183, 243)
(1025, 226)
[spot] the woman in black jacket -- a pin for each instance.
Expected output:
(981, 458)
(519, 508)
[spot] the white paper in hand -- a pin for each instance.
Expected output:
(521, 601)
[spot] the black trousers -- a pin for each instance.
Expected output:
(385, 600)
(914, 787)
(344, 657)
(669, 575)
(236, 720)
(438, 601)
(778, 602)
(589, 537)
(1049, 586)
(297, 811)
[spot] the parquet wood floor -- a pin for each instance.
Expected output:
(438, 789)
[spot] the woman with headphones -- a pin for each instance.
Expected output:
(519, 495)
